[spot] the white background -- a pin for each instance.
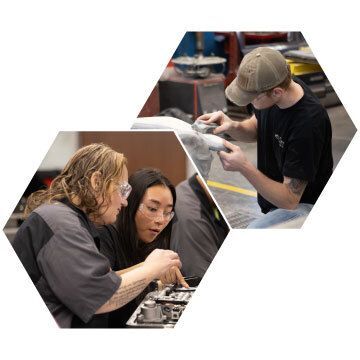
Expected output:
(87, 65)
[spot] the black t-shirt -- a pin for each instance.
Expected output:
(296, 143)
(111, 245)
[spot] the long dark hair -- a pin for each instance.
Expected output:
(134, 250)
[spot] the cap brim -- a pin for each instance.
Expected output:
(239, 96)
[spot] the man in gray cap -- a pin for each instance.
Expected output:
(293, 134)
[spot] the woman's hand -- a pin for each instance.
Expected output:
(174, 276)
(159, 262)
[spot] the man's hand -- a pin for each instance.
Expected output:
(286, 195)
(173, 276)
(233, 160)
(218, 117)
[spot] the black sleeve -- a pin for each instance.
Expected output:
(304, 150)
(108, 238)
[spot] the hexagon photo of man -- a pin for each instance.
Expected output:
(259, 117)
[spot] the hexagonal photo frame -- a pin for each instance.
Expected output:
(274, 166)
(116, 235)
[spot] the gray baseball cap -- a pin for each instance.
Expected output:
(260, 70)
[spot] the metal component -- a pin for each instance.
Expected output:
(198, 65)
(150, 312)
(203, 128)
(161, 308)
(199, 60)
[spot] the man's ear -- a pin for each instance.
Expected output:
(95, 180)
(277, 92)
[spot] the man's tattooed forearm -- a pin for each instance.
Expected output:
(296, 186)
(125, 294)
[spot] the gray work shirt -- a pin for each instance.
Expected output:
(197, 233)
(58, 246)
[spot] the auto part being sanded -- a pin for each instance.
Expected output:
(198, 144)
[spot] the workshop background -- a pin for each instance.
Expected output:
(193, 84)
(141, 148)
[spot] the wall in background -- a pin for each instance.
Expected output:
(63, 147)
(66, 143)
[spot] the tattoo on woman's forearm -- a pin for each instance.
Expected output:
(126, 293)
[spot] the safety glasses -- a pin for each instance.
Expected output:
(124, 189)
(153, 213)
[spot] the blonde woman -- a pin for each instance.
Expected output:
(58, 243)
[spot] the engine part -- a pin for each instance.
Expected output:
(161, 308)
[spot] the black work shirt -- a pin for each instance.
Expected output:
(111, 246)
(296, 143)
(58, 246)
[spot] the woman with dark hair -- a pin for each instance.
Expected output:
(144, 225)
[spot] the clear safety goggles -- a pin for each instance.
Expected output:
(153, 213)
(124, 189)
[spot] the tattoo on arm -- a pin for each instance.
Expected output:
(296, 186)
(126, 293)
